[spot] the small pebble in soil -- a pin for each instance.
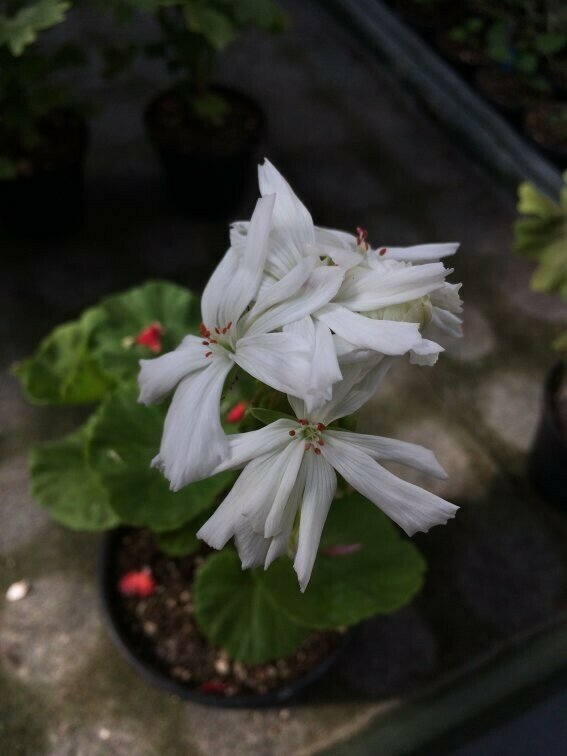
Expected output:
(103, 734)
(18, 591)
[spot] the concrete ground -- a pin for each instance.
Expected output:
(359, 152)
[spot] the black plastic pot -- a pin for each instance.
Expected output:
(150, 669)
(48, 203)
(205, 177)
(547, 464)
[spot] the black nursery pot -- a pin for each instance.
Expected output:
(150, 668)
(206, 166)
(547, 465)
(48, 202)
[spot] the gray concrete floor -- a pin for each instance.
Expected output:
(359, 152)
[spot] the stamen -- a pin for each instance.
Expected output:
(361, 237)
(217, 330)
(308, 446)
(321, 442)
(205, 343)
(229, 325)
(303, 421)
(321, 427)
(208, 354)
(213, 341)
(204, 331)
(382, 251)
(292, 433)
(317, 451)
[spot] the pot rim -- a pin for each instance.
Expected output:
(161, 680)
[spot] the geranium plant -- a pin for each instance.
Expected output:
(31, 99)
(294, 332)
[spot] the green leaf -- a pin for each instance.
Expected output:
(125, 315)
(532, 202)
(211, 106)
(182, 541)
(268, 416)
(125, 438)
(63, 370)
(234, 611)
(383, 573)
(22, 29)
(63, 483)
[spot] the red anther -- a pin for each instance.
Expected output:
(217, 330)
(292, 433)
(213, 341)
(208, 354)
(137, 583)
(205, 343)
(224, 330)
(214, 686)
(236, 413)
(321, 427)
(317, 451)
(229, 325)
(151, 337)
(361, 237)
(303, 421)
(204, 331)
(321, 442)
(308, 446)
(382, 251)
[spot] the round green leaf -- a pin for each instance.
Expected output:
(63, 482)
(125, 438)
(234, 611)
(63, 370)
(125, 315)
(182, 541)
(379, 572)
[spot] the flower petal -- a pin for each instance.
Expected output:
(289, 212)
(392, 450)
(161, 375)
(289, 472)
(325, 370)
(283, 289)
(367, 289)
(384, 336)
(316, 292)
(193, 441)
(425, 353)
(236, 279)
(417, 254)
(411, 507)
(320, 487)
(280, 543)
(243, 447)
(279, 360)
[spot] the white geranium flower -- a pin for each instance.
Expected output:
(373, 309)
(289, 478)
(193, 441)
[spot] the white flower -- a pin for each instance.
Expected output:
(193, 441)
(289, 476)
(361, 312)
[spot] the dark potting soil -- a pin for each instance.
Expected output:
(164, 631)
(506, 88)
(174, 126)
(63, 140)
(547, 124)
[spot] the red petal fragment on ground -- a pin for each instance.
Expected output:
(342, 549)
(151, 337)
(214, 687)
(236, 413)
(139, 583)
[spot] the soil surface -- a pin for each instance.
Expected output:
(174, 126)
(164, 632)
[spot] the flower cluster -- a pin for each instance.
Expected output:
(319, 315)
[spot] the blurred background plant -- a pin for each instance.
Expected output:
(34, 104)
(541, 234)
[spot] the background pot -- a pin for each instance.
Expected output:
(547, 465)
(151, 671)
(48, 201)
(206, 166)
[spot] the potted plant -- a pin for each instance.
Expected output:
(205, 133)
(192, 611)
(542, 235)
(43, 134)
